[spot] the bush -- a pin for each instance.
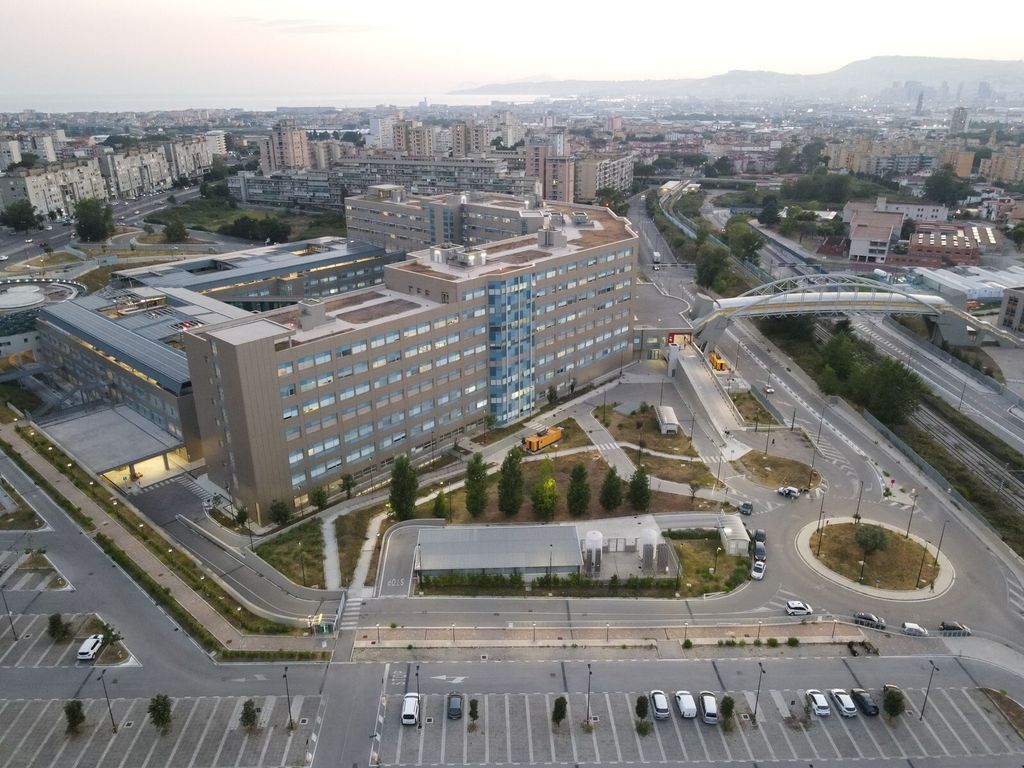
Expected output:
(160, 712)
(793, 642)
(772, 642)
(248, 719)
(74, 715)
(642, 707)
(687, 643)
(757, 643)
(559, 711)
(58, 629)
(643, 727)
(474, 709)
(728, 707)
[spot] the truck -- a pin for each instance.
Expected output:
(657, 257)
(541, 440)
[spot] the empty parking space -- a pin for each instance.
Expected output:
(517, 729)
(35, 648)
(205, 732)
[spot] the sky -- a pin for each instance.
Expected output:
(121, 54)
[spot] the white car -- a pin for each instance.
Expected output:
(915, 630)
(844, 702)
(818, 702)
(789, 492)
(757, 572)
(90, 648)
(659, 703)
(686, 703)
(798, 608)
(769, 389)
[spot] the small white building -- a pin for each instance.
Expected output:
(735, 540)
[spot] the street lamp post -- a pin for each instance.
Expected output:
(686, 629)
(718, 551)
(453, 634)
(590, 674)
(913, 506)
(939, 548)
(7, 610)
(862, 564)
(920, 570)
(759, 622)
(835, 623)
(288, 696)
(962, 393)
(757, 696)
(550, 553)
(302, 563)
(860, 495)
(821, 538)
(607, 632)
(535, 633)
(768, 437)
(928, 690)
(821, 421)
(378, 634)
(110, 711)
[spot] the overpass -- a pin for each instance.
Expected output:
(838, 294)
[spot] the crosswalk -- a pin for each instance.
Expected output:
(1015, 593)
(185, 480)
(349, 618)
(779, 600)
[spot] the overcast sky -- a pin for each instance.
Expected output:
(106, 54)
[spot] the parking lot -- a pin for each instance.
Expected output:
(517, 728)
(205, 732)
(34, 648)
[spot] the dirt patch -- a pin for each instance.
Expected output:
(641, 428)
(895, 567)
(115, 653)
(1008, 708)
(697, 557)
(686, 472)
(350, 531)
(775, 471)
(750, 409)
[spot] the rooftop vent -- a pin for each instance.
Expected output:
(312, 312)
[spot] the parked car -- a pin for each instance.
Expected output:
(954, 626)
(761, 535)
(453, 705)
(798, 608)
(759, 550)
(769, 389)
(818, 702)
(659, 704)
(868, 620)
(789, 492)
(411, 709)
(757, 571)
(843, 702)
(914, 630)
(746, 508)
(864, 701)
(687, 705)
(708, 707)
(89, 650)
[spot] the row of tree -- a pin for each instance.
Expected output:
(161, 715)
(270, 229)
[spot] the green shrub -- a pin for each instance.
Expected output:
(772, 642)
(793, 642)
(687, 643)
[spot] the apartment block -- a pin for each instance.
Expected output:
(389, 217)
(325, 153)
(961, 161)
(300, 397)
(594, 172)
(382, 132)
(872, 232)
(134, 173)
(959, 120)
(40, 146)
(56, 188)
(10, 152)
(469, 138)
(316, 190)
(413, 139)
(216, 142)
(1006, 165)
(188, 157)
(286, 148)
(433, 175)
(560, 179)
(912, 209)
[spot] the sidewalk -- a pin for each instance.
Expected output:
(192, 602)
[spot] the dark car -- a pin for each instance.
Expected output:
(746, 508)
(954, 626)
(453, 706)
(864, 702)
(760, 553)
(761, 535)
(868, 620)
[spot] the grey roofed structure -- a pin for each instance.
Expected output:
(109, 438)
(529, 550)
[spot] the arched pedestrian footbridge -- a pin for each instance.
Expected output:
(837, 294)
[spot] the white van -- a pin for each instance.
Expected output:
(687, 705)
(90, 648)
(709, 707)
(411, 709)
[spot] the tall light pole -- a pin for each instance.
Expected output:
(590, 674)
(110, 711)
(821, 538)
(862, 564)
(757, 696)
(302, 562)
(962, 393)
(939, 548)
(913, 506)
(718, 551)
(767, 437)
(860, 495)
(928, 690)
(920, 570)
(288, 696)
(821, 421)
(7, 610)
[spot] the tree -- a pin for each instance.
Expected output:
(174, 230)
(611, 490)
(19, 215)
(944, 187)
(559, 711)
(640, 490)
(724, 166)
(552, 395)
(160, 712)
(744, 240)
(474, 709)
(614, 199)
(642, 707)
(404, 487)
(843, 353)
(871, 539)
(476, 485)
(545, 492)
(769, 215)
(280, 512)
(1017, 234)
(893, 702)
(441, 505)
(909, 225)
(318, 497)
(74, 715)
(58, 629)
(728, 707)
(242, 516)
(510, 483)
(711, 263)
(578, 497)
(347, 484)
(891, 391)
(249, 718)
(95, 220)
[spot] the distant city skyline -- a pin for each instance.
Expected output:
(113, 54)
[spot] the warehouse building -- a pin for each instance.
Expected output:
(528, 550)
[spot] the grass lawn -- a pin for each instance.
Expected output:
(37, 561)
(300, 548)
(350, 530)
(98, 278)
(896, 567)
(158, 237)
(750, 409)
(371, 573)
(642, 427)
(678, 471)
(211, 215)
(17, 396)
(697, 557)
(776, 471)
(55, 259)
(573, 436)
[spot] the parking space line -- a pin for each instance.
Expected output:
(698, 727)
(922, 752)
(28, 730)
(853, 741)
(639, 747)
(957, 709)
(572, 736)
(864, 723)
(721, 735)
(266, 740)
(967, 692)
(784, 728)
(938, 711)
(98, 727)
(444, 734)
(110, 742)
(184, 729)
(831, 741)
(508, 731)
(593, 737)
(35, 638)
(398, 746)
(551, 733)
(743, 736)
(131, 746)
(529, 732)
(679, 737)
(87, 709)
(611, 721)
(487, 730)
(423, 733)
(220, 745)
(931, 730)
(202, 737)
(64, 659)
(465, 739)
(657, 736)
(45, 741)
(810, 742)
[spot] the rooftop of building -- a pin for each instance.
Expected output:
(508, 547)
(206, 273)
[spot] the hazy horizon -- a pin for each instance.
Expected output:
(312, 52)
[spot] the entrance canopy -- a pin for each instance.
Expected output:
(110, 438)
